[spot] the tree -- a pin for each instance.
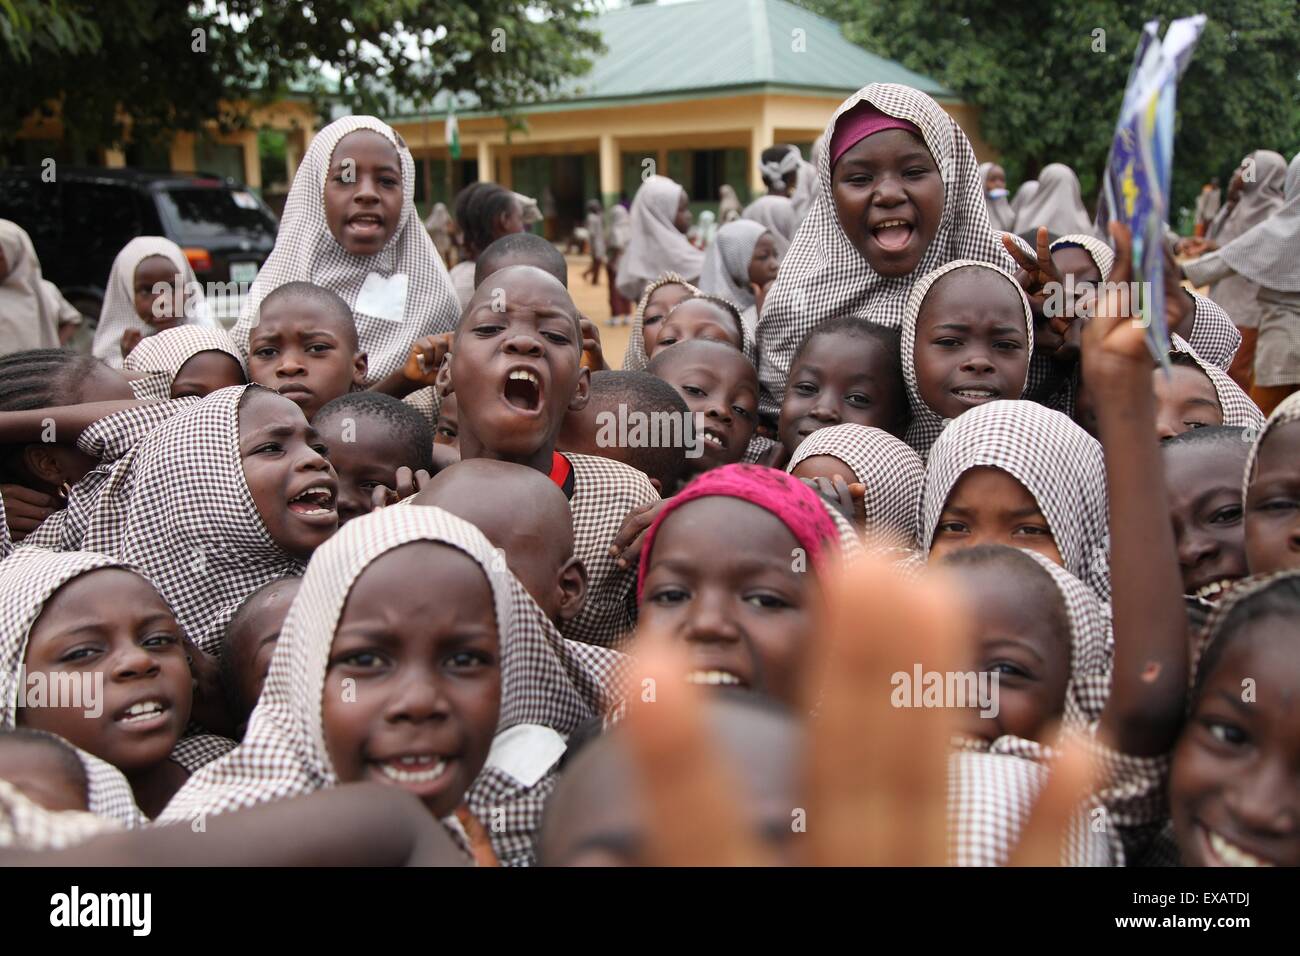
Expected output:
(1049, 77)
(145, 68)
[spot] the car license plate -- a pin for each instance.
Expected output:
(243, 271)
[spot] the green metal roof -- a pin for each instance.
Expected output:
(675, 51)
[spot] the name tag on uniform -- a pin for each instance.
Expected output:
(384, 297)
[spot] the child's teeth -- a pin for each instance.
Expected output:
(523, 376)
(712, 678)
(435, 767)
(1233, 855)
(146, 709)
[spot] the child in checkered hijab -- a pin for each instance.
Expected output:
(189, 360)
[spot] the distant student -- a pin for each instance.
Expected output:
(33, 313)
(657, 300)
(1271, 490)
(189, 360)
(1001, 215)
(855, 258)
(1057, 204)
(151, 287)
(350, 226)
(484, 213)
(740, 266)
(657, 242)
(776, 215)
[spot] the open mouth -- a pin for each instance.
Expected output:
(892, 234)
(1219, 851)
(366, 222)
(523, 390)
(714, 678)
(143, 715)
(422, 774)
(1213, 592)
(315, 501)
(977, 394)
(715, 438)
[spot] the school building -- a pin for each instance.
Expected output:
(700, 88)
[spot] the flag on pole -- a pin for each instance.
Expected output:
(1139, 170)
(452, 133)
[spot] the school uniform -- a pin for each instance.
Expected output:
(1057, 203)
(655, 245)
(777, 215)
(601, 493)
(397, 295)
(549, 686)
(926, 424)
(1056, 461)
(891, 471)
(635, 358)
(161, 357)
(1237, 408)
(824, 276)
(31, 307)
(118, 314)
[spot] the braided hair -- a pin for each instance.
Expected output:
(42, 378)
(477, 207)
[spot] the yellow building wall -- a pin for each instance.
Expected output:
(749, 121)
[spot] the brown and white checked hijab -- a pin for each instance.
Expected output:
(177, 507)
(548, 687)
(118, 311)
(926, 423)
(892, 472)
(1103, 256)
(1237, 408)
(634, 358)
(397, 295)
(824, 276)
(1285, 413)
(169, 350)
(1058, 463)
(1213, 336)
(28, 579)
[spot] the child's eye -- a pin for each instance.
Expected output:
(1008, 345)
(667, 340)
(318, 347)
(1229, 514)
(264, 352)
(368, 486)
(1277, 504)
(559, 338)
(160, 640)
(1226, 733)
(951, 527)
(321, 449)
(693, 390)
(79, 654)
(362, 659)
(444, 430)
(916, 171)
(1008, 669)
(767, 601)
(1191, 425)
(806, 388)
(742, 412)
(857, 400)
(390, 181)
(670, 595)
(466, 660)
(485, 330)
(858, 179)
(948, 342)
(649, 320)
(270, 447)
(1033, 529)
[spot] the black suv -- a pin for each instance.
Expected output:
(80, 222)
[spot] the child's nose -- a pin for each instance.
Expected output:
(718, 411)
(977, 362)
(1195, 548)
(888, 191)
(290, 364)
(417, 698)
(134, 661)
(825, 412)
(524, 344)
(709, 623)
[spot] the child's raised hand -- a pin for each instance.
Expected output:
(407, 483)
(1114, 342)
(760, 294)
(25, 509)
(848, 498)
(1039, 269)
(592, 355)
(426, 358)
(626, 548)
(1180, 308)
(130, 339)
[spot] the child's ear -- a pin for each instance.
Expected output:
(43, 464)
(360, 363)
(582, 392)
(571, 585)
(442, 381)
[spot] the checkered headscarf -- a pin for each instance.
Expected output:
(1213, 336)
(306, 251)
(1058, 463)
(892, 472)
(1288, 411)
(726, 263)
(604, 492)
(177, 506)
(926, 423)
(634, 358)
(823, 276)
(169, 350)
(1102, 255)
(546, 681)
(118, 311)
(27, 580)
(1238, 410)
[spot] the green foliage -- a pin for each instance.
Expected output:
(169, 65)
(1046, 96)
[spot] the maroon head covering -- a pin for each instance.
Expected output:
(789, 499)
(859, 123)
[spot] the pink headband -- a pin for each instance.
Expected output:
(859, 123)
(795, 504)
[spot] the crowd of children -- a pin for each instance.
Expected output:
(401, 552)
